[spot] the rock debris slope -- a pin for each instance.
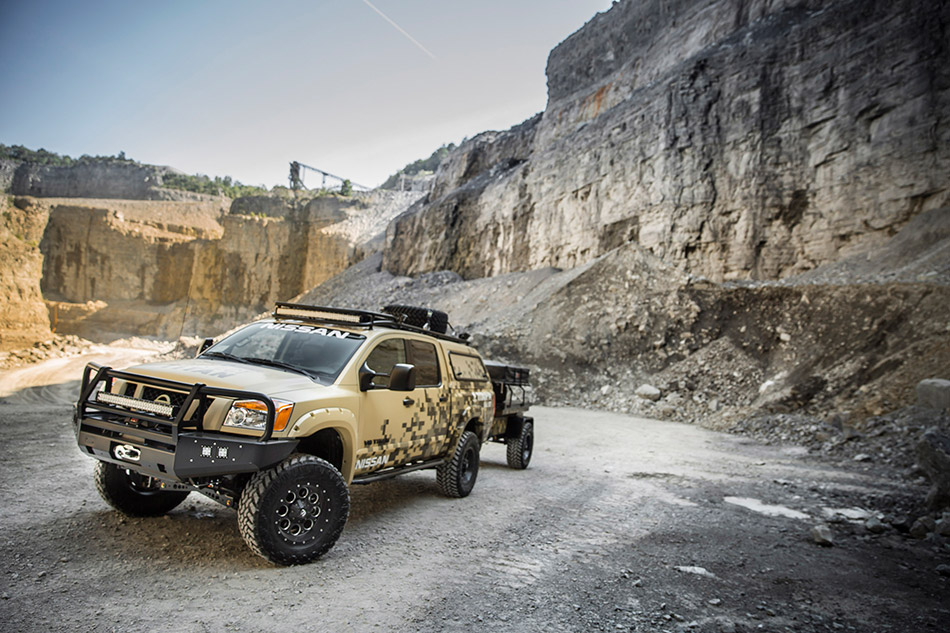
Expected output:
(832, 354)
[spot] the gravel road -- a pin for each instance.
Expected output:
(619, 524)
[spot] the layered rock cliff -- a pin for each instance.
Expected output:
(113, 180)
(23, 317)
(735, 139)
(110, 268)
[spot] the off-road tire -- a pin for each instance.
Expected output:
(521, 447)
(133, 494)
(456, 477)
(433, 320)
(294, 512)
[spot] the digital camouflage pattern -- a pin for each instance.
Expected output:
(379, 428)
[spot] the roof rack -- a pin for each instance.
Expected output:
(354, 318)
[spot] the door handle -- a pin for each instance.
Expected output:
(408, 402)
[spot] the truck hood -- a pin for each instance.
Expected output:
(229, 375)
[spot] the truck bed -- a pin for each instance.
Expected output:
(512, 388)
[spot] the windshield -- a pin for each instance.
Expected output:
(318, 352)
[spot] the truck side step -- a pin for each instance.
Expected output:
(399, 470)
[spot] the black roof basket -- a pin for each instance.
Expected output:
(356, 318)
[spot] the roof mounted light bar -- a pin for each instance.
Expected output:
(327, 314)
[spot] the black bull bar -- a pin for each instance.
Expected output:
(166, 440)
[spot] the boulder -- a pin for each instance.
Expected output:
(648, 392)
(933, 456)
(822, 535)
(922, 527)
(933, 393)
(874, 525)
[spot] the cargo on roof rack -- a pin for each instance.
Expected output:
(406, 318)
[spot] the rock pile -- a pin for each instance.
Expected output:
(57, 346)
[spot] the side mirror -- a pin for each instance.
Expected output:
(205, 344)
(402, 378)
(366, 377)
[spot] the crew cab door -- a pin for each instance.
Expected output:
(398, 427)
(431, 383)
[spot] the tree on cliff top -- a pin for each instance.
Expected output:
(423, 164)
(21, 154)
(217, 186)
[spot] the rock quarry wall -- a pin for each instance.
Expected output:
(117, 180)
(7, 169)
(110, 268)
(23, 317)
(737, 139)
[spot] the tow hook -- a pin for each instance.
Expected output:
(127, 452)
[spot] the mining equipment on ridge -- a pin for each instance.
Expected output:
(297, 174)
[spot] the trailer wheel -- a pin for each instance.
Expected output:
(456, 477)
(134, 494)
(521, 447)
(294, 512)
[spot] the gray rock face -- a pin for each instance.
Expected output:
(96, 180)
(7, 169)
(740, 139)
(459, 225)
(933, 456)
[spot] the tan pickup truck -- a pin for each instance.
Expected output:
(280, 417)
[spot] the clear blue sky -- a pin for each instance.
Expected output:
(242, 88)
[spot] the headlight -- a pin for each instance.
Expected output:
(252, 414)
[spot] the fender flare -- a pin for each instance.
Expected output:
(342, 421)
(480, 409)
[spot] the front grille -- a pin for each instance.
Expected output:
(177, 399)
(174, 398)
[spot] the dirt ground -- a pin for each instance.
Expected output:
(620, 524)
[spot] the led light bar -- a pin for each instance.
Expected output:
(158, 408)
(286, 311)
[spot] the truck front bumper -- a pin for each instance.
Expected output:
(195, 455)
(171, 444)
